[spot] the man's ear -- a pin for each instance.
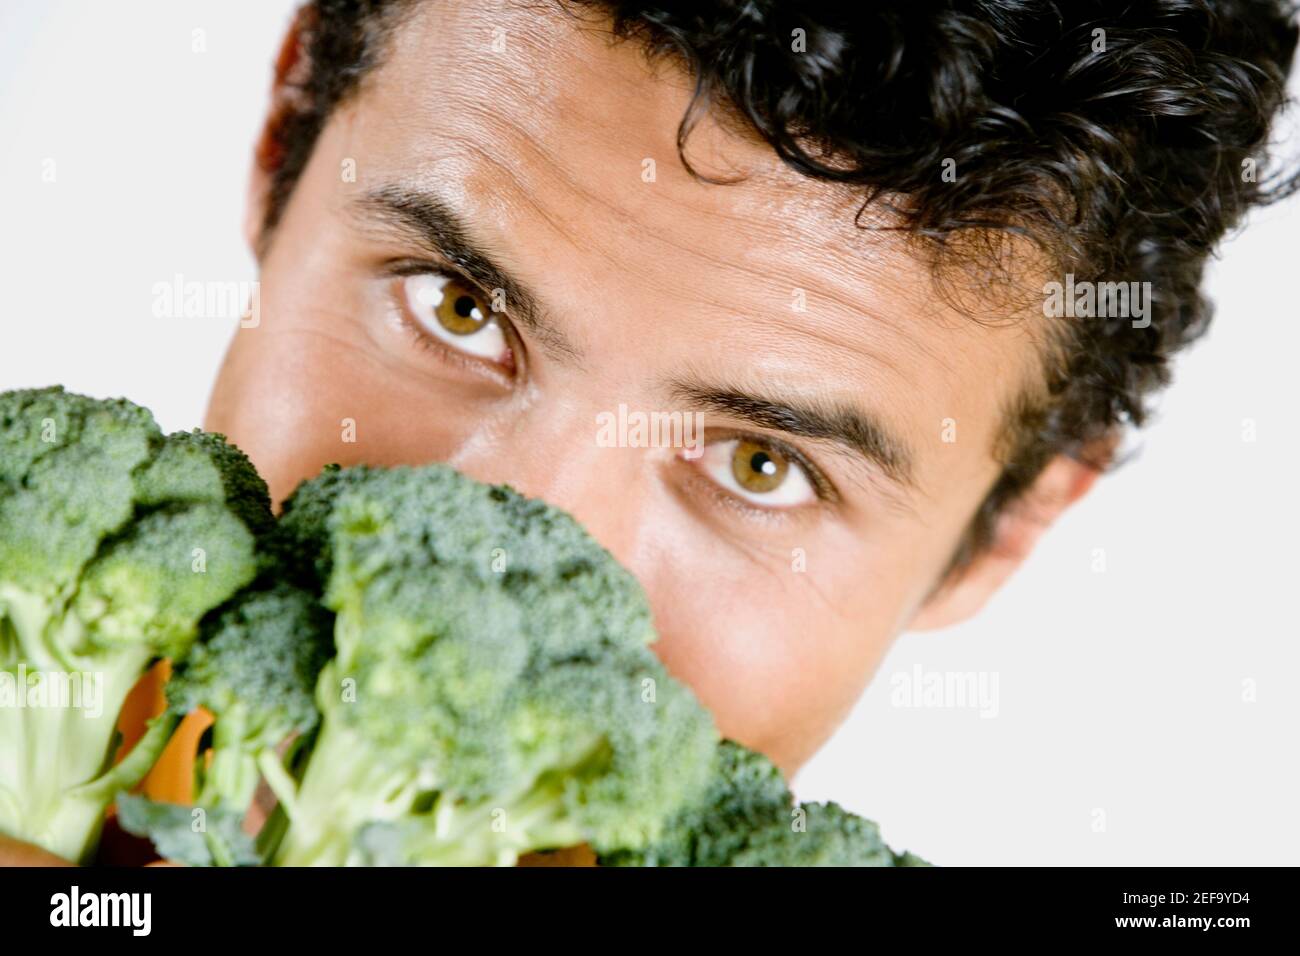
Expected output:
(288, 100)
(1063, 482)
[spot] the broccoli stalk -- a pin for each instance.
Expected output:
(456, 833)
(114, 542)
(48, 745)
(231, 774)
(59, 786)
(346, 790)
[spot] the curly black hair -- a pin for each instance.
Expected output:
(1122, 138)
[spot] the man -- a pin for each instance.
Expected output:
(880, 250)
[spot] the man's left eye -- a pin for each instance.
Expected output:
(456, 313)
(758, 472)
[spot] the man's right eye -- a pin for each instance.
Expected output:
(457, 314)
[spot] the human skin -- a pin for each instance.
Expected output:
(774, 607)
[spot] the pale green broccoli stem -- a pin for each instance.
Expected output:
(496, 833)
(278, 779)
(231, 777)
(532, 817)
(64, 748)
(69, 820)
(52, 794)
(285, 788)
(64, 785)
(330, 805)
(26, 618)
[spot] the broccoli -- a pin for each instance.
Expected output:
(255, 667)
(747, 817)
(115, 540)
(467, 678)
(492, 691)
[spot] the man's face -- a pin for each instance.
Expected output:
(499, 148)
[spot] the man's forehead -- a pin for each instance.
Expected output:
(560, 109)
(563, 146)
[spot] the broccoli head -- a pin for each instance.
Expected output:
(492, 690)
(115, 540)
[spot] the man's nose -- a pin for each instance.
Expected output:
(553, 455)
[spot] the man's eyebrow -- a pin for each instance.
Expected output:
(429, 220)
(844, 425)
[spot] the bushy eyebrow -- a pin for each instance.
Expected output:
(853, 429)
(429, 220)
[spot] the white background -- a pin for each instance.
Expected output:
(1120, 693)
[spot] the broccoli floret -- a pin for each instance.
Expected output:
(492, 691)
(255, 669)
(815, 834)
(745, 792)
(114, 542)
(199, 466)
(748, 817)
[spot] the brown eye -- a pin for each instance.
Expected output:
(757, 468)
(462, 310)
(758, 472)
(457, 313)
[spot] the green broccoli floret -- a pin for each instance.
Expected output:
(492, 691)
(815, 834)
(745, 792)
(256, 671)
(255, 668)
(748, 817)
(114, 542)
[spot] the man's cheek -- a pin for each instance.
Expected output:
(752, 658)
(296, 401)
